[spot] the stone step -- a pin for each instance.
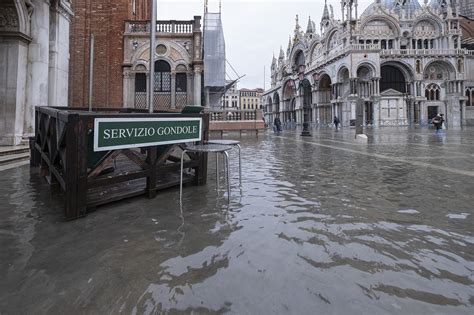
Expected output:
(14, 158)
(13, 150)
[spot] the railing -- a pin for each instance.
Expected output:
(345, 50)
(422, 52)
(228, 120)
(175, 27)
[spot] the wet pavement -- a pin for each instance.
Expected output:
(321, 225)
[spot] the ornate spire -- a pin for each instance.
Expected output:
(326, 18)
(310, 28)
(288, 50)
(282, 54)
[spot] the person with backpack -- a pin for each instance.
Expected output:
(336, 122)
(438, 122)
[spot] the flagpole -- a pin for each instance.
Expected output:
(151, 76)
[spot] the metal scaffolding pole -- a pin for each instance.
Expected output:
(151, 77)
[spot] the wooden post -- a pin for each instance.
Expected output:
(76, 168)
(151, 177)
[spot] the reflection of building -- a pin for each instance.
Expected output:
(122, 53)
(34, 55)
(251, 99)
(404, 62)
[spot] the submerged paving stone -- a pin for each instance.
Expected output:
(321, 224)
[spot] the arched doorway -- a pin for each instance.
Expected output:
(396, 107)
(392, 78)
(162, 84)
(276, 106)
(324, 99)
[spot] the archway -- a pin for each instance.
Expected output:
(392, 78)
(324, 99)
(162, 85)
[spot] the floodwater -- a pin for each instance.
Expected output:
(321, 225)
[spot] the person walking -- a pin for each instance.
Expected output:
(277, 123)
(336, 122)
(438, 122)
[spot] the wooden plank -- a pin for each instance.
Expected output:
(136, 158)
(111, 155)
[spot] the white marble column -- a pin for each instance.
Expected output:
(197, 85)
(189, 88)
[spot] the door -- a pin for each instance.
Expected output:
(432, 112)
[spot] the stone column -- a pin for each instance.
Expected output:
(38, 65)
(189, 88)
(197, 85)
(173, 89)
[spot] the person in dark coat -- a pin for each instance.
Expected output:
(277, 123)
(336, 122)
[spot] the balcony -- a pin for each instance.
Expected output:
(171, 27)
(422, 52)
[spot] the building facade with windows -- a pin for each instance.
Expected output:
(251, 98)
(122, 57)
(400, 62)
(231, 97)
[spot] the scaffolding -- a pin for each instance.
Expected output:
(214, 59)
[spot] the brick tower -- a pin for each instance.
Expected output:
(105, 20)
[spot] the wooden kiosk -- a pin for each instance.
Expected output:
(110, 154)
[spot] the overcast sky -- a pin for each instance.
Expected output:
(254, 30)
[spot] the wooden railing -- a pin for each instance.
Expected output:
(63, 150)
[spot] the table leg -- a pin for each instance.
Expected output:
(228, 175)
(240, 166)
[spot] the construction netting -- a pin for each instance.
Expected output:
(214, 51)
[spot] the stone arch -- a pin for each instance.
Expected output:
(276, 102)
(15, 16)
(369, 66)
(388, 20)
(395, 75)
(181, 68)
(332, 39)
(140, 65)
(439, 70)
(343, 73)
(142, 53)
(434, 21)
(288, 90)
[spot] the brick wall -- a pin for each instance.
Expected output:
(105, 20)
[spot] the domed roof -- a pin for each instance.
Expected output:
(390, 5)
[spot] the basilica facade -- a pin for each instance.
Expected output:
(399, 62)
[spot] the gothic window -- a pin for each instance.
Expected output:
(432, 92)
(162, 76)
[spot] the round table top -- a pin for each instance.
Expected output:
(208, 148)
(223, 142)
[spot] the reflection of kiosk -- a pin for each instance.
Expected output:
(73, 147)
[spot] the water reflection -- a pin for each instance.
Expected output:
(311, 228)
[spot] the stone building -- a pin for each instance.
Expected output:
(231, 97)
(251, 98)
(34, 56)
(398, 63)
(122, 53)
